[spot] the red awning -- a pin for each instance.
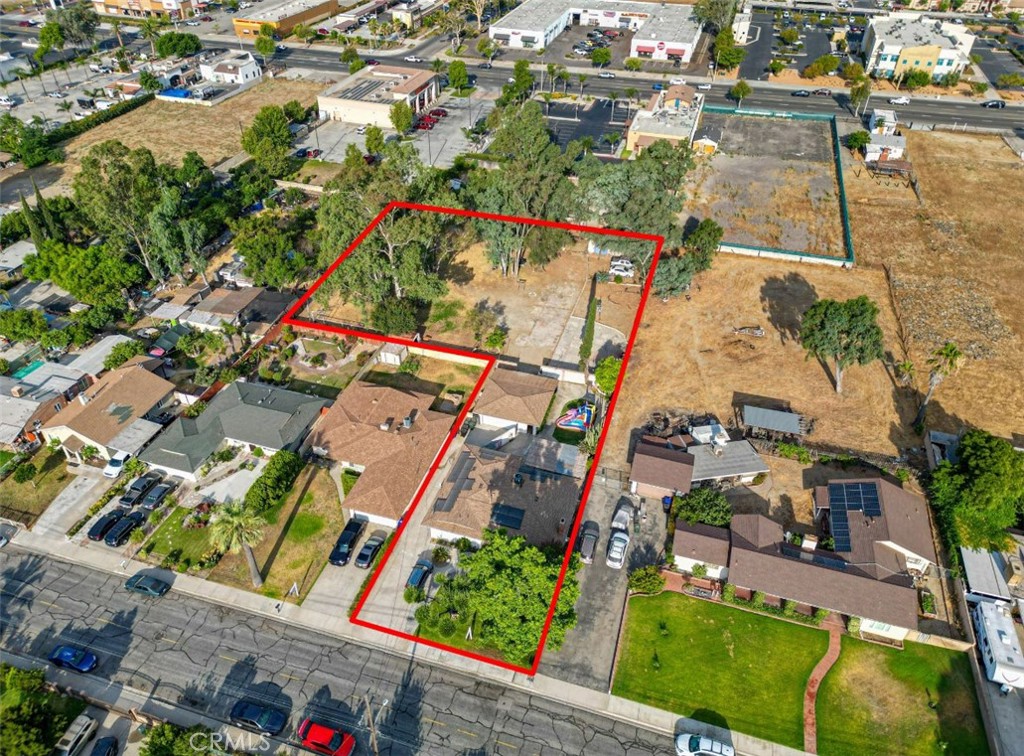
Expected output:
(671, 51)
(641, 49)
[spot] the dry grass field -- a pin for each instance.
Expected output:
(170, 129)
(687, 356)
(956, 265)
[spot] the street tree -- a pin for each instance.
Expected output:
(942, 363)
(479, 7)
(304, 33)
(487, 48)
(401, 116)
(845, 332)
(149, 30)
(727, 54)
(265, 46)
(703, 505)
(235, 529)
(458, 76)
(740, 91)
(980, 495)
(374, 140)
(116, 189)
(453, 23)
(177, 44)
(715, 13)
(51, 37)
(78, 22)
(601, 57)
(853, 72)
(860, 91)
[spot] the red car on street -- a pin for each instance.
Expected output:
(438, 113)
(423, 126)
(326, 740)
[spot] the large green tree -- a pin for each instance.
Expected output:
(268, 139)
(980, 495)
(269, 242)
(116, 190)
(845, 332)
(32, 717)
(727, 54)
(170, 740)
(22, 325)
(401, 116)
(77, 21)
(716, 13)
(458, 76)
(702, 243)
(703, 505)
(96, 275)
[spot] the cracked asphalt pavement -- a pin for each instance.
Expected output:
(191, 653)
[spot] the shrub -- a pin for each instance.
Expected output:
(789, 608)
(394, 316)
(587, 342)
(410, 365)
(699, 570)
(820, 615)
(760, 478)
(729, 592)
(446, 626)
(25, 472)
(464, 545)
(425, 616)
(277, 479)
(195, 409)
(414, 595)
(758, 600)
(441, 555)
(795, 451)
(646, 580)
(258, 452)
(853, 625)
(663, 628)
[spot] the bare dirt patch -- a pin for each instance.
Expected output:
(170, 130)
(772, 183)
(955, 266)
(687, 355)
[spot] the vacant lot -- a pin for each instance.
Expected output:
(718, 664)
(170, 129)
(956, 269)
(772, 183)
(687, 356)
(920, 700)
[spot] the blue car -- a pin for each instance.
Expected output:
(74, 658)
(658, 87)
(420, 573)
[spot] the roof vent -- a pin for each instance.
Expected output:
(17, 391)
(385, 425)
(407, 422)
(83, 398)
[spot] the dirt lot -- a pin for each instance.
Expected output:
(687, 356)
(170, 130)
(771, 183)
(956, 269)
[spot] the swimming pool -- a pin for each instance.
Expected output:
(29, 368)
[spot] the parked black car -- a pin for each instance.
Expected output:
(369, 552)
(258, 718)
(147, 585)
(420, 572)
(118, 535)
(997, 104)
(139, 488)
(105, 747)
(346, 544)
(103, 525)
(157, 494)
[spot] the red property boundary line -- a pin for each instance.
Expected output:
(489, 361)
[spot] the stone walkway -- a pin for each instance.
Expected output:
(811, 694)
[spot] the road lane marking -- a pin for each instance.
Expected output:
(434, 721)
(508, 745)
(291, 677)
(466, 732)
(227, 658)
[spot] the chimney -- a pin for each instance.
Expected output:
(17, 391)
(1014, 572)
(407, 421)
(385, 425)
(84, 398)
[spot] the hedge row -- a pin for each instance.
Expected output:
(587, 343)
(275, 481)
(74, 128)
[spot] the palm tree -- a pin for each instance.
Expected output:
(547, 101)
(587, 143)
(631, 94)
(115, 26)
(582, 79)
(613, 96)
(942, 363)
(22, 74)
(149, 29)
(373, 27)
(905, 372)
(437, 65)
(236, 529)
(552, 68)
(563, 76)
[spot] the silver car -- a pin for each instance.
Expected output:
(617, 546)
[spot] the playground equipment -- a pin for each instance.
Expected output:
(577, 419)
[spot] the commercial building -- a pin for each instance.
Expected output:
(899, 43)
(147, 8)
(669, 116)
(283, 17)
(367, 96)
(411, 15)
(660, 32)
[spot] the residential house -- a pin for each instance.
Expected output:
(250, 415)
(13, 258)
(114, 414)
(661, 468)
(707, 139)
(670, 115)
(999, 643)
(882, 121)
(883, 147)
(485, 489)
(701, 545)
(234, 273)
(235, 67)
(514, 401)
(388, 435)
(221, 306)
(733, 461)
(898, 43)
(30, 400)
(91, 360)
(181, 302)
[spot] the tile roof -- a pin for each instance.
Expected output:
(702, 543)
(661, 465)
(114, 404)
(266, 416)
(396, 459)
(516, 396)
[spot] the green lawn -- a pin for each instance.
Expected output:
(24, 502)
(882, 700)
(170, 539)
(348, 479)
(718, 664)
(5, 457)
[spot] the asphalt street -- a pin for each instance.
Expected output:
(205, 656)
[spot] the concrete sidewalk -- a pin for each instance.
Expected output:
(337, 625)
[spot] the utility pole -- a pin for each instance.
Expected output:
(371, 723)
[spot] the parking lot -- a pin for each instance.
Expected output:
(766, 44)
(996, 61)
(593, 120)
(586, 656)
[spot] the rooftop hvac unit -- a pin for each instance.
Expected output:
(17, 391)
(1014, 572)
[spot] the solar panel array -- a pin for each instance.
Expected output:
(844, 498)
(505, 516)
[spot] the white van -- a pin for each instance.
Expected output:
(73, 742)
(6, 101)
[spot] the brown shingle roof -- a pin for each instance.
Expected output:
(843, 592)
(115, 401)
(754, 531)
(662, 466)
(395, 459)
(702, 543)
(516, 396)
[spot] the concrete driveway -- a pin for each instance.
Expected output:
(71, 504)
(586, 656)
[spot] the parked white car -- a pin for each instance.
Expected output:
(899, 100)
(704, 87)
(115, 466)
(698, 745)
(413, 59)
(677, 81)
(606, 75)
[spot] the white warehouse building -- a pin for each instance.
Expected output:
(660, 32)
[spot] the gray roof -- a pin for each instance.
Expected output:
(983, 570)
(13, 257)
(91, 360)
(135, 436)
(769, 419)
(14, 415)
(666, 23)
(265, 416)
(732, 459)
